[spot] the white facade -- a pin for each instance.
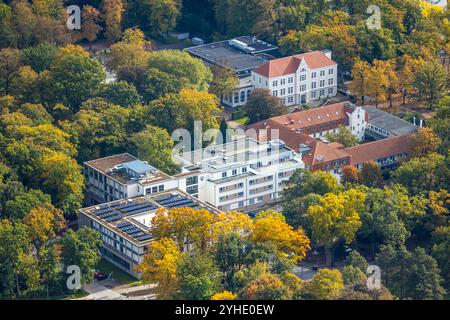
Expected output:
(240, 95)
(242, 174)
(302, 86)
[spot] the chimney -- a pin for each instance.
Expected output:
(327, 53)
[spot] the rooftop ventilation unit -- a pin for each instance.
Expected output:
(240, 45)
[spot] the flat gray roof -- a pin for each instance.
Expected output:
(389, 122)
(223, 54)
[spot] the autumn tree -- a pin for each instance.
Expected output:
(335, 218)
(44, 224)
(130, 51)
(424, 142)
(112, 15)
(378, 80)
(350, 175)
(262, 105)
(10, 60)
(266, 287)
(63, 180)
(90, 27)
(359, 85)
(344, 136)
(326, 284)
(184, 224)
(271, 228)
(160, 266)
(163, 15)
(370, 174)
(224, 295)
(180, 110)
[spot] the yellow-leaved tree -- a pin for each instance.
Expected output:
(336, 218)
(160, 266)
(270, 227)
(225, 295)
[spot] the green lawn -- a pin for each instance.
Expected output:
(120, 276)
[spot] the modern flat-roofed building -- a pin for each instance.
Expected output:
(123, 176)
(298, 79)
(124, 225)
(243, 174)
(242, 55)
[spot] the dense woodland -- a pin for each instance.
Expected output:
(57, 110)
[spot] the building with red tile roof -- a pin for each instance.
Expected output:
(304, 132)
(298, 79)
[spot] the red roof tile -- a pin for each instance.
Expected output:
(288, 65)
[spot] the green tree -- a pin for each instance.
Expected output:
(8, 36)
(182, 66)
(81, 248)
(352, 275)
(163, 15)
(262, 105)
(75, 76)
(199, 277)
(344, 137)
(18, 207)
(19, 272)
(441, 252)
(431, 82)
(154, 145)
(10, 61)
(325, 285)
(440, 123)
(120, 93)
(303, 182)
(423, 174)
(40, 57)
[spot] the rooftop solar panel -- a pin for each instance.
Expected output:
(144, 237)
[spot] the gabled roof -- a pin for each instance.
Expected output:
(379, 149)
(289, 65)
(311, 117)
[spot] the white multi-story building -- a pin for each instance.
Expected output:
(242, 174)
(298, 79)
(241, 55)
(125, 225)
(123, 176)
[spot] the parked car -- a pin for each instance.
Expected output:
(100, 275)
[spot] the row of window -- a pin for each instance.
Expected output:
(154, 189)
(302, 88)
(302, 77)
(234, 172)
